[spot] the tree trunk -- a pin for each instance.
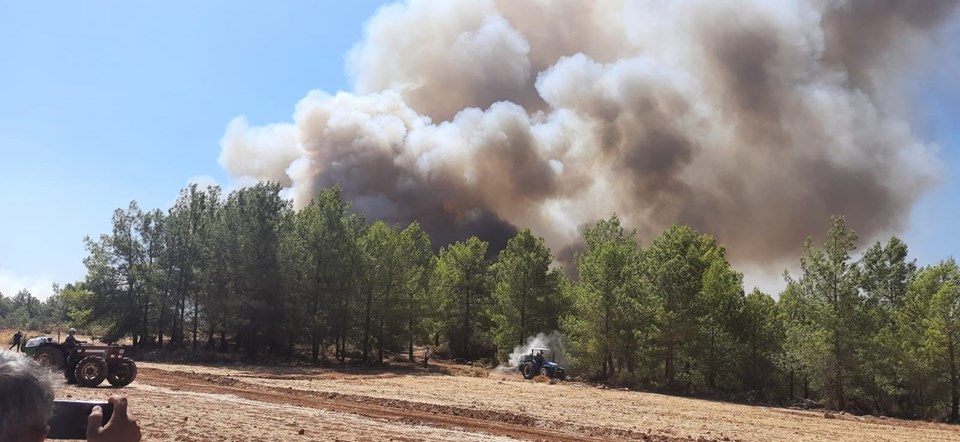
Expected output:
(211, 332)
(366, 326)
(841, 398)
(410, 346)
(181, 311)
(523, 322)
(466, 326)
(160, 325)
(791, 385)
(954, 383)
(669, 368)
(838, 373)
(380, 343)
(196, 322)
(410, 326)
(146, 317)
(610, 363)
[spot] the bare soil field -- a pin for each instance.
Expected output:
(241, 403)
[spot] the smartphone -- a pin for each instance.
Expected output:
(69, 419)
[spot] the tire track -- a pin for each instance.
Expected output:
(500, 423)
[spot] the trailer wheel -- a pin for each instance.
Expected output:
(50, 357)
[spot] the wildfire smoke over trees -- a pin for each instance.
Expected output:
(246, 273)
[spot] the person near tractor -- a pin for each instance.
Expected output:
(26, 404)
(539, 360)
(17, 337)
(70, 343)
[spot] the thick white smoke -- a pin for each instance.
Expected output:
(752, 120)
(554, 341)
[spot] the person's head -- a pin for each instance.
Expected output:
(71, 331)
(26, 398)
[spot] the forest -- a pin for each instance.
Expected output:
(246, 274)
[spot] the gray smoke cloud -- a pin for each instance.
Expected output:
(553, 341)
(754, 121)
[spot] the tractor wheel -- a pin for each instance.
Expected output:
(527, 370)
(122, 373)
(544, 372)
(91, 371)
(50, 357)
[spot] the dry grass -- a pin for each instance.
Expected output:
(472, 372)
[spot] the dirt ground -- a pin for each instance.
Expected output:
(238, 403)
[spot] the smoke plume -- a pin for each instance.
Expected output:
(751, 120)
(554, 341)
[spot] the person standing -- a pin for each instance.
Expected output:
(427, 353)
(16, 341)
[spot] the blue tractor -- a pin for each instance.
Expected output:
(541, 361)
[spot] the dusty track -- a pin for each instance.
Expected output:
(194, 403)
(517, 426)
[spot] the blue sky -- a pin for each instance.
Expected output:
(933, 234)
(101, 105)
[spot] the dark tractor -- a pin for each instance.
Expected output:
(87, 365)
(536, 363)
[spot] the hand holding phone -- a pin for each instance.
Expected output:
(121, 427)
(95, 421)
(70, 418)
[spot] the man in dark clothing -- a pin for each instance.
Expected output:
(16, 341)
(70, 342)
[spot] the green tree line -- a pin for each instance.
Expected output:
(27, 312)
(245, 273)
